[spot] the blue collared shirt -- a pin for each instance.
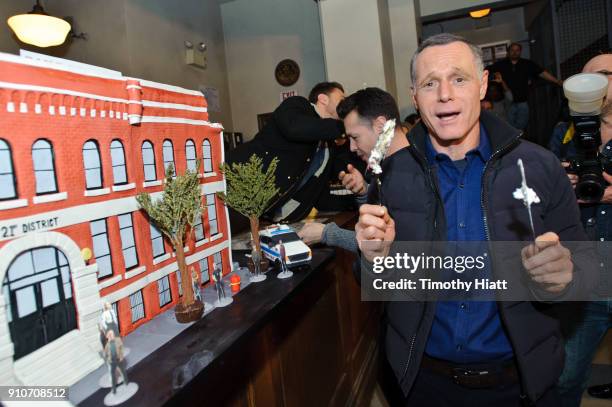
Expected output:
(465, 331)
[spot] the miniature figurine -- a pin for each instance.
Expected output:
(195, 283)
(222, 300)
(113, 352)
(107, 321)
(256, 258)
(285, 272)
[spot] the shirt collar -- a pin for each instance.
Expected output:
(483, 150)
(316, 109)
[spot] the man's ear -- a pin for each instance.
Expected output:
(484, 83)
(323, 99)
(413, 95)
(378, 124)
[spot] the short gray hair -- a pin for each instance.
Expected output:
(445, 39)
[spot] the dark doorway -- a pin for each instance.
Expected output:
(40, 299)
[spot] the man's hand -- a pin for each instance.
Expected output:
(572, 177)
(353, 180)
(375, 231)
(312, 232)
(548, 262)
(607, 196)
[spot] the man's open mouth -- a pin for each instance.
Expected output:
(447, 116)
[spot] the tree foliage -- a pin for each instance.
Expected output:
(179, 206)
(249, 188)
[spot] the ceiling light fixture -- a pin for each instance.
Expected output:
(39, 28)
(480, 13)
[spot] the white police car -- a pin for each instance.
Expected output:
(297, 253)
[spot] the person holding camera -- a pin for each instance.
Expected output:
(585, 324)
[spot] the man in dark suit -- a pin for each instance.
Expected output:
(301, 134)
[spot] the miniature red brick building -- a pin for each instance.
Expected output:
(77, 144)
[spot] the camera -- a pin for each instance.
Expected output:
(585, 93)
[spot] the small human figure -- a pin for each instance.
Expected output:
(222, 300)
(195, 283)
(113, 353)
(283, 253)
(256, 257)
(108, 321)
(257, 276)
(218, 278)
(285, 273)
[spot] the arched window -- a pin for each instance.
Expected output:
(118, 162)
(168, 155)
(44, 167)
(148, 161)
(7, 172)
(207, 155)
(190, 155)
(92, 164)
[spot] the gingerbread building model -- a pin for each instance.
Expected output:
(77, 144)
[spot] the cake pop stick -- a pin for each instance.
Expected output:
(527, 195)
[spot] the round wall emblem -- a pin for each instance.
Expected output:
(287, 72)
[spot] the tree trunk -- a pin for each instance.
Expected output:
(255, 231)
(188, 297)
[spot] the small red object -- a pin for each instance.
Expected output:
(235, 283)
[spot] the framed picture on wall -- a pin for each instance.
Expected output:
(493, 52)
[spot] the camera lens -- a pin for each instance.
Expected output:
(590, 187)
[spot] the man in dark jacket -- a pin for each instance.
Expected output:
(517, 73)
(301, 134)
(455, 182)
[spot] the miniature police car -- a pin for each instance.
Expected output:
(297, 253)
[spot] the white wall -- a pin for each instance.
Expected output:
(430, 7)
(258, 35)
(353, 43)
(404, 36)
(142, 38)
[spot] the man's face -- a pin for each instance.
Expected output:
(514, 52)
(330, 103)
(448, 91)
(601, 64)
(361, 133)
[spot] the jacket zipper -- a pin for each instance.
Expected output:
(483, 189)
(410, 351)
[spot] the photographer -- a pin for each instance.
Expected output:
(585, 324)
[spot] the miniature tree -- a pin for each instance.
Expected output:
(174, 215)
(250, 189)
